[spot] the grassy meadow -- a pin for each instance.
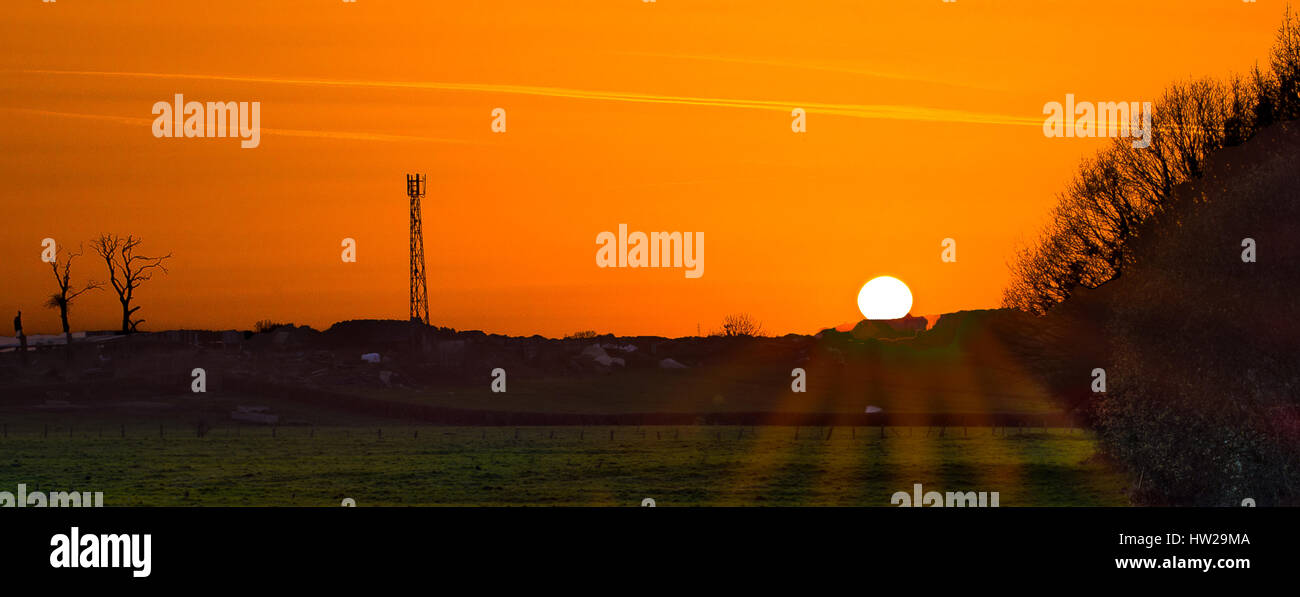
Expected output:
(544, 466)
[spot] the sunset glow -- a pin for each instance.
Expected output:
(666, 116)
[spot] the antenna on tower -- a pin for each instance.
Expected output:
(415, 188)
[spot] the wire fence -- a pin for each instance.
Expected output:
(178, 431)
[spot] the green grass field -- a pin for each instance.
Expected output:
(570, 466)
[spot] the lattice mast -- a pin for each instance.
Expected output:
(415, 188)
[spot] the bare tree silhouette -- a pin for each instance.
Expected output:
(127, 271)
(740, 324)
(62, 300)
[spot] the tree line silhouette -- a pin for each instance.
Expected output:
(1121, 189)
(1196, 340)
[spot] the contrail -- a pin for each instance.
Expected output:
(348, 135)
(815, 67)
(864, 111)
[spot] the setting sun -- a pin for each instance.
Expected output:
(885, 297)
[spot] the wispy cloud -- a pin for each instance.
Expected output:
(863, 111)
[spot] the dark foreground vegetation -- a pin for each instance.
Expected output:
(1175, 269)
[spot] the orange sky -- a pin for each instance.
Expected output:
(924, 123)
